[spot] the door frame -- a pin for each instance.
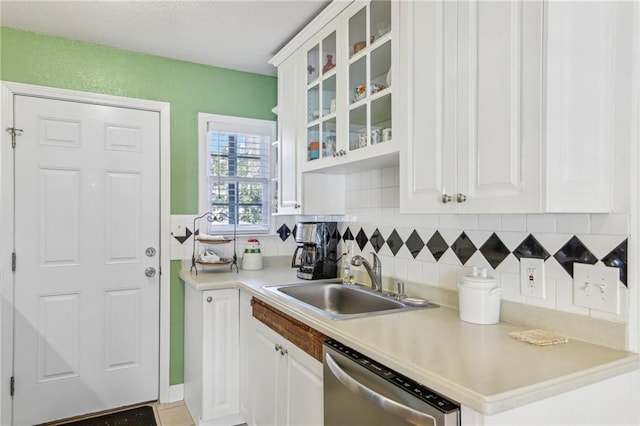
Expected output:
(8, 91)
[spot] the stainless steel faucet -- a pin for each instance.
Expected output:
(375, 272)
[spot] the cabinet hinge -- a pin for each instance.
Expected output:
(12, 386)
(13, 261)
(13, 132)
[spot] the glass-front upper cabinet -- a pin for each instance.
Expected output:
(321, 98)
(369, 75)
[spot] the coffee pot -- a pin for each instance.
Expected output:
(315, 255)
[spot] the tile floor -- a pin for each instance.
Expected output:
(172, 414)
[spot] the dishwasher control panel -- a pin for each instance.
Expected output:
(419, 391)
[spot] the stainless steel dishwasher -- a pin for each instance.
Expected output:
(360, 391)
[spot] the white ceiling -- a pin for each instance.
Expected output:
(235, 34)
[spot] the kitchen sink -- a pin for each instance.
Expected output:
(340, 301)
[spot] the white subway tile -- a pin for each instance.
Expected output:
(376, 178)
(430, 273)
(541, 223)
(414, 271)
(572, 223)
(448, 221)
(400, 268)
(514, 222)
(388, 197)
(467, 221)
(365, 180)
(489, 222)
(447, 276)
(388, 177)
(510, 284)
(612, 224)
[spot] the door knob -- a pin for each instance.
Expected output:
(461, 198)
(150, 272)
(150, 251)
(446, 198)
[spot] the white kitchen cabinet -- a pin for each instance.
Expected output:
(350, 109)
(246, 335)
(286, 382)
(289, 179)
(299, 193)
(494, 125)
(211, 356)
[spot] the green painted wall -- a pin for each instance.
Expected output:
(189, 88)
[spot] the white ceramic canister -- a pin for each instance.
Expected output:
(252, 256)
(479, 298)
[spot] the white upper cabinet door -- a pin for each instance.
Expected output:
(290, 189)
(581, 54)
(499, 104)
(472, 83)
(427, 89)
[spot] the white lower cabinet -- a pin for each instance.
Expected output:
(211, 356)
(286, 383)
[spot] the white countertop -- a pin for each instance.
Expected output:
(479, 366)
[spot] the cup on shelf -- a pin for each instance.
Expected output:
(386, 134)
(376, 136)
(362, 140)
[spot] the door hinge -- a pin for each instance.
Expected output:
(13, 261)
(12, 386)
(14, 132)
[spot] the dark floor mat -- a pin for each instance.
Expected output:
(141, 416)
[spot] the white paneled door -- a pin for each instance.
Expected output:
(87, 239)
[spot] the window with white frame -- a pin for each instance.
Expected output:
(234, 171)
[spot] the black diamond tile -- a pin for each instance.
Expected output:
(618, 258)
(295, 230)
(437, 245)
(187, 233)
(284, 232)
(415, 244)
(463, 248)
(531, 248)
(494, 251)
(394, 242)
(347, 235)
(574, 251)
(336, 235)
(361, 239)
(376, 240)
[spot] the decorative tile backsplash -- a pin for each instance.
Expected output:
(493, 249)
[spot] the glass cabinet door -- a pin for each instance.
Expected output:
(369, 75)
(321, 99)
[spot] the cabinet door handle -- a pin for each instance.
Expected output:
(283, 351)
(446, 198)
(296, 206)
(461, 198)
(278, 348)
(209, 299)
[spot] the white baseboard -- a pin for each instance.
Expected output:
(176, 393)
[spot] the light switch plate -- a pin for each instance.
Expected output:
(532, 278)
(596, 287)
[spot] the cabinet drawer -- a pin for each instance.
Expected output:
(301, 335)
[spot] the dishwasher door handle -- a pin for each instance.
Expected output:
(393, 407)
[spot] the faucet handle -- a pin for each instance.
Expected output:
(400, 294)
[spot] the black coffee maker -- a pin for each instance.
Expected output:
(316, 254)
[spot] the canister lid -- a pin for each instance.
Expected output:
(479, 278)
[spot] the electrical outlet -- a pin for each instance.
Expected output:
(596, 287)
(532, 278)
